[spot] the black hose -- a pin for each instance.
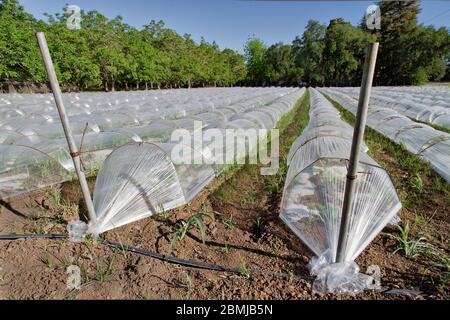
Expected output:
(32, 236)
(172, 259)
(162, 257)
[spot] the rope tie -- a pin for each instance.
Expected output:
(79, 153)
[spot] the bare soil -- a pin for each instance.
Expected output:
(243, 231)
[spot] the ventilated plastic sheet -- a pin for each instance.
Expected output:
(104, 121)
(414, 136)
(140, 179)
(313, 197)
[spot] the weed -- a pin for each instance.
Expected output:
(47, 261)
(226, 248)
(229, 222)
(245, 270)
(54, 194)
(439, 271)
(182, 228)
(104, 270)
(123, 250)
(187, 284)
(68, 208)
(259, 224)
(420, 221)
(411, 247)
(415, 182)
(162, 216)
(90, 241)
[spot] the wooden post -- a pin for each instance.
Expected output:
(358, 135)
(74, 152)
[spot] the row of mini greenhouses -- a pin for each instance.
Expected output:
(32, 161)
(419, 139)
(314, 191)
(429, 108)
(141, 179)
(32, 116)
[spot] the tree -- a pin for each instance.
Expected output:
(309, 51)
(254, 54)
(280, 65)
(343, 53)
(235, 67)
(19, 57)
(399, 19)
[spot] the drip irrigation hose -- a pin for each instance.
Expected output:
(172, 259)
(162, 257)
(32, 236)
(182, 262)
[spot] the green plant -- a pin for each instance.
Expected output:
(183, 227)
(415, 182)
(229, 223)
(47, 260)
(161, 216)
(226, 247)
(69, 208)
(54, 194)
(187, 284)
(90, 241)
(245, 270)
(259, 224)
(411, 247)
(104, 270)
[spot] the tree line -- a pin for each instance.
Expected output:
(332, 55)
(109, 54)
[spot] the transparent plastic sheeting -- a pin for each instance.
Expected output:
(313, 197)
(431, 145)
(34, 152)
(138, 180)
(430, 104)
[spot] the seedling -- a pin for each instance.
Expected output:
(245, 270)
(187, 284)
(259, 224)
(104, 271)
(226, 247)
(229, 223)
(409, 246)
(415, 182)
(182, 228)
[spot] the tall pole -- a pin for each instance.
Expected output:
(358, 135)
(74, 152)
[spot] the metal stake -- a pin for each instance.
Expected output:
(358, 135)
(74, 152)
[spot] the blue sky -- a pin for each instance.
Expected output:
(231, 22)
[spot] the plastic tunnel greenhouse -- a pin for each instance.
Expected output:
(433, 146)
(141, 179)
(429, 104)
(313, 197)
(34, 151)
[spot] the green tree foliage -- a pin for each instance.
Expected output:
(280, 65)
(254, 52)
(409, 53)
(333, 55)
(109, 54)
(19, 57)
(343, 53)
(309, 52)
